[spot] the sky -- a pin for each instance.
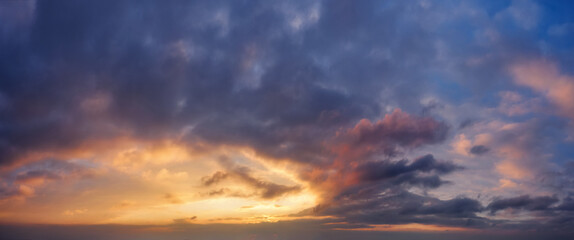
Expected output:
(286, 120)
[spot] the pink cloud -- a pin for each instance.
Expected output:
(545, 78)
(396, 130)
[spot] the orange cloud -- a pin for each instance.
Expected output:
(513, 170)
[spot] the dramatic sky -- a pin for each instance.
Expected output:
(308, 119)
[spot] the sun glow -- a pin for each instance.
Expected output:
(161, 183)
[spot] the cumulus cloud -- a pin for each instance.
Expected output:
(389, 136)
(398, 129)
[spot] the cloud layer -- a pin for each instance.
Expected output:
(365, 115)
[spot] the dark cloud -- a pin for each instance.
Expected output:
(214, 178)
(466, 123)
(381, 196)
(37, 174)
(566, 205)
(238, 76)
(479, 150)
(397, 206)
(184, 220)
(264, 189)
(374, 171)
(47, 170)
(269, 190)
(459, 207)
(421, 181)
(53, 169)
(161, 75)
(522, 202)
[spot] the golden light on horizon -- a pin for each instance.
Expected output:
(156, 184)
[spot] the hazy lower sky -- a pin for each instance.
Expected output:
(245, 119)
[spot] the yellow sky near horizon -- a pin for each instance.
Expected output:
(145, 183)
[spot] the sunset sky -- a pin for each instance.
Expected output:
(291, 120)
